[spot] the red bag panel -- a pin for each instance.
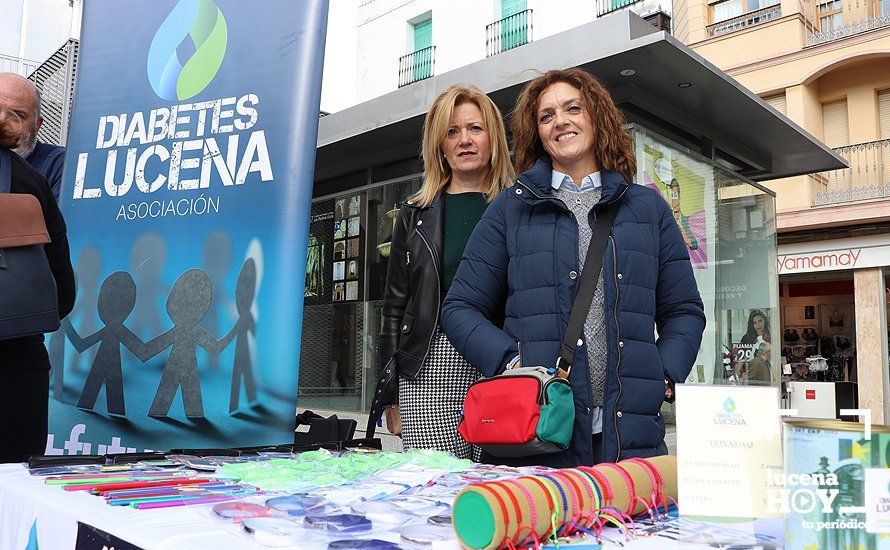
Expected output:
(501, 411)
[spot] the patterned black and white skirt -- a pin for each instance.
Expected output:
(430, 406)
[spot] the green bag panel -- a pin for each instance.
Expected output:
(557, 415)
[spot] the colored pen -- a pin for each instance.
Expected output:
(188, 502)
(104, 487)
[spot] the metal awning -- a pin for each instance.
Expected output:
(710, 109)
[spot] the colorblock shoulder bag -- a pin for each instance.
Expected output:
(28, 300)
(531, 410)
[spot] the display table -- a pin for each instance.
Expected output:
(31, 510)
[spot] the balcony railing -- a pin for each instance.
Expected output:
(833, 20)
(508, 33)
(416, 65)
(11, 64)
(868, 175)
(642, 8)
(745, 20)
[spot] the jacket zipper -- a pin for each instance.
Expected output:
(540, 391)
(438, 292)
(407, 257)
(618, 333)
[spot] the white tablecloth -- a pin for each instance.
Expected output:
(24, 498)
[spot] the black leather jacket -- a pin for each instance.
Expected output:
(413, 295)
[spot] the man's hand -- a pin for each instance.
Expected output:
(393, 421)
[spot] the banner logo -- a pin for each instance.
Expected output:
(728, 415)
(188, 49)
(729, 405)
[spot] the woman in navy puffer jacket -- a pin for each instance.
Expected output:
(525, 256)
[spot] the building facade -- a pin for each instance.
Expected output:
(826, 66)
(377, 46)
(32, 30)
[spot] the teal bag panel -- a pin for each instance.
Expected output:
(557, 415)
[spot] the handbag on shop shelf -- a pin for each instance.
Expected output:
(28, 301)
(531, 410)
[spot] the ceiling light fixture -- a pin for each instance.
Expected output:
(628, 72)
(685, 84)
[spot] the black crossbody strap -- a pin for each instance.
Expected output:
(590, 273)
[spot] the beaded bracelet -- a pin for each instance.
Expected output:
(604, 484)
(550, 503)
(654, 478)
(631, 488)
(589, 485)
(575, 494)
(616, 517)
(515, 507)
(596, 497)
(657, 480)
(531, 505)
(565, 502)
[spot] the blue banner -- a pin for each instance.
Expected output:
(187, 191)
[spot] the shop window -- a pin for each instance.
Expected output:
(728, 225)
(818, 328)
(346, 265)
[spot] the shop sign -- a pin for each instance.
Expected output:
(725, 472)
(820, 261)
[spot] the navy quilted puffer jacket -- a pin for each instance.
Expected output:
(519, 258)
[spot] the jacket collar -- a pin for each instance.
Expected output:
(539, 178)
(433, 222)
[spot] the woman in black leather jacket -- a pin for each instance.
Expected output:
(466, 164)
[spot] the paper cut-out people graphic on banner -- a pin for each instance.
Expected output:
(243, 368)
(187, 303)
(217, 262)
(89, 276)
(117, 297)
(147, 260)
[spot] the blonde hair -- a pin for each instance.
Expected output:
(436, 171)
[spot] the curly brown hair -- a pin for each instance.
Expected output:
(614, 146)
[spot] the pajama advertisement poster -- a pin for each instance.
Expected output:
(187, 191)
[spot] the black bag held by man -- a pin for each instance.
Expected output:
(28, 299)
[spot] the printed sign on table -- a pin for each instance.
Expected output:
(728, 445)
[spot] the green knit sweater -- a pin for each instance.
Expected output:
(462, 212)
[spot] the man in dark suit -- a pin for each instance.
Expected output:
(24, 363)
